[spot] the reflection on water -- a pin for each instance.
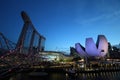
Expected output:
(66, 76)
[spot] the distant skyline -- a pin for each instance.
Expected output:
(63, 22)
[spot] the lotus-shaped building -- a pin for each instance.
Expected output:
(91, 49)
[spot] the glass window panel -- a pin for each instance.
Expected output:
(36, 41)
(28, 38)
(42, 44)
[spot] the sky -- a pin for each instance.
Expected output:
(63, 22)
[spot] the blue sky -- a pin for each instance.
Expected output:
(63, 22)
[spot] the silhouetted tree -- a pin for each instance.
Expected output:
(109, 46)
(115, 49)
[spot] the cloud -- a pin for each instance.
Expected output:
(106, 17)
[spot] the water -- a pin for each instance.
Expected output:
(66, 76)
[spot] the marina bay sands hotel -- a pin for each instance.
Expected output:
(30, 41)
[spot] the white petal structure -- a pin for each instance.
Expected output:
(99, 49)
(102, 45)
(80, 50)
(90, 47)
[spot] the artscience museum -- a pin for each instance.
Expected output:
(92, 49)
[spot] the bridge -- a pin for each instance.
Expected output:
(5, 45)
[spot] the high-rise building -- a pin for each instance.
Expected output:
(30, 40)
